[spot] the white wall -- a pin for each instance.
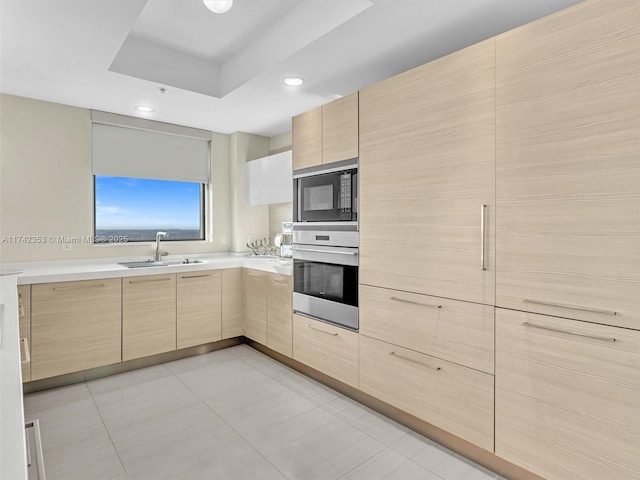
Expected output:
(279, 212)
(46, 185)
(246, 220)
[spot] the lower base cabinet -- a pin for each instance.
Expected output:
(148, 315)
(329, 349)
(452, 397)
(199, 308)
(255, 305)
(232, 303)
(74, 326)
(567, 397)
(279, 321)
(24, 313)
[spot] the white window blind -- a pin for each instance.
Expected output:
(139, 148)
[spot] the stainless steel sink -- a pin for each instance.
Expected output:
(153, 263)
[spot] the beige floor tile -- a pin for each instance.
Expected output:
(389, 464)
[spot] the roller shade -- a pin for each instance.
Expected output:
(123, 151)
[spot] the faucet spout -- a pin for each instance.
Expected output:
(158, 236)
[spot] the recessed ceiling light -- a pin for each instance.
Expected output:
(293, 81)
(145, 109)
(218, 6)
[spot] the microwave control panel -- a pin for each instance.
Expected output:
(345, 192)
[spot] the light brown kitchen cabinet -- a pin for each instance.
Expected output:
(567, 397)
(148, 315)
(232, 303)
(340, 129)
(329, 349)
(427, 178)
(199, 308)
(74, 326)
(255, 288)
(326, 134)
(460, 332)
(568, 124)
(24, 313)
(306, 139)
(279, 313)
(452, 397)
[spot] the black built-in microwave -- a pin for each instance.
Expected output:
(327, 193)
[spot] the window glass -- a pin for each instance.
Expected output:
(134, 209)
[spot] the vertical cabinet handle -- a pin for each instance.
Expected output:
(35, 424)
(27, 354)
(483, 208)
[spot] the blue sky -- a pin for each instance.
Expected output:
(137, 203)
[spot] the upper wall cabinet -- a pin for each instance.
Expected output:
(269, 179)
(306, 139)
(427, 178)
(568, 164)
(326, 134)
(340, 129)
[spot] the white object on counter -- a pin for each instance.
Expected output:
(13, 457)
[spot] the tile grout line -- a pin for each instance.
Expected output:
(115, 449)
(223, 420)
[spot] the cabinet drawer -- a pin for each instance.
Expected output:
(449, 396)
(329, 349)
(567, 396)
(460, 332)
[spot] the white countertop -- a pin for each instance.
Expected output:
(13, 459)
(12, 432)
(90, 269)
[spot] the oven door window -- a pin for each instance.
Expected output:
(336, 283)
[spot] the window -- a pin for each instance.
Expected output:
(136, 208)
(148, 177)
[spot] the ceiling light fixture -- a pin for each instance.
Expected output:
(218, 6)
(145, 109)
(293, 81)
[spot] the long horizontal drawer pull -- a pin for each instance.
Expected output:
(27, 354)
(572, 307)
(415, 303)
(315, 250)
(151, 280)
(414, 360)
(568, 332)
(322, 331)
(200, 276)
(281, 281)
(77, 287)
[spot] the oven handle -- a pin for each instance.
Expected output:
(337, 252)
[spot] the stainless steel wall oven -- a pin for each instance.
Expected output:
(325, 276)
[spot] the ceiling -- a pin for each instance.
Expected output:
(224, 72)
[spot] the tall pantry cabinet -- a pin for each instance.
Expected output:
(427, 178)
(427, 226)
(568, 243)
